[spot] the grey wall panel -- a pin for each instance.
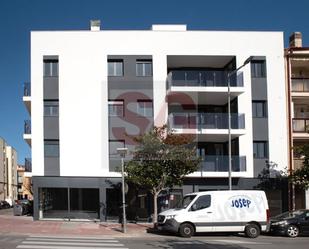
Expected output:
(51, 127)
(51, 166)
(260, 129)
(51, 88)
(259, 165)
(259, 88)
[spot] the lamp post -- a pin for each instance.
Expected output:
(122, 152)
(249, 59)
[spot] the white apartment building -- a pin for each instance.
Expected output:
(8, 172)
(90, 89)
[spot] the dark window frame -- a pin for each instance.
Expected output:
(118, 103)
(53, 108)
(255, 112)
(53, 68)
(143, 62)
(114, 61)
(117, 141)
(258, 152)
(55, 152)
(144, 113)
(258, 69)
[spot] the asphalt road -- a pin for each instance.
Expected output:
(152, 242)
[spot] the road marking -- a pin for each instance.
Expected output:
(65, 247)
(239, 242)
(71, 240)
(66, 242)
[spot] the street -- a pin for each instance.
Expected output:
(150, 242)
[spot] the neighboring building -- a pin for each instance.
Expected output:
(297, 74)
(24, 183)
(8, 172)
(91, 89)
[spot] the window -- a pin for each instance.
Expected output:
(201, 203)
(51, 148)
(259, 109)
(51, 108)
(143, 67)
(50, 68)
(260, 149)
(115, 108)
(144, 108)
(258, 69)
(115, 67)
(113, 145)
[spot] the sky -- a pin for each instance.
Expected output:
(19, 17)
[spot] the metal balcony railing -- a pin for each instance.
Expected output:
(27, 89)
(300, 85)
(203, 78)
(220, 163)
(300, 124)
(28, 165)
(206, 121)
(27, 127)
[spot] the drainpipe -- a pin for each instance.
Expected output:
(291, 186)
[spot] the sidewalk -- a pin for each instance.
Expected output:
(23, 225)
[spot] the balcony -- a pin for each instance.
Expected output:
(208, 126)
(27, 96)
(300, 85)
(220, 163)
(205, 87)
(27, 131)
(28, 165)
(301, 128)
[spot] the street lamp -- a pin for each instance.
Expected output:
(122, 152)
(249, 59)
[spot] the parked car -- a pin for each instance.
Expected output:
(4, 205)
(23, 207)
(291, 224)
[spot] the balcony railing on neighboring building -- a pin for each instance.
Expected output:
(203, 78)
(221, 164)
(27, 127)
(300, 124)
(300, 85)
(205, 121)
(28, 165)
(27, 89)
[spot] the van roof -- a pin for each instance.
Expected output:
(226, 191)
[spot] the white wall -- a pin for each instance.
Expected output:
(83, 88)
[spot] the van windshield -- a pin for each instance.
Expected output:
(185, 201)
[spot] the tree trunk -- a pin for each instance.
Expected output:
(155, 209)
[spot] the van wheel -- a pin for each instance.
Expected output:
(252, 230)
(292, 231)
(186, 230)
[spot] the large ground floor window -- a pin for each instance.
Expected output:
(69, 203)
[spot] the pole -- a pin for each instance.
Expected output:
(124, 221)
(229, 130)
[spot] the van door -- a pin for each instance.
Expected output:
(200, 214)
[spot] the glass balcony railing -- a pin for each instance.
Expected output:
(300, 124)
(27, 89)
(28, 165)
(221, 163)
(203, 78)
(300, 85)
(27, 127)
(206, 121)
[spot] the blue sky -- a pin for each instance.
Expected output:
(19, 17)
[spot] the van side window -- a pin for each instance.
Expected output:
(202, 202)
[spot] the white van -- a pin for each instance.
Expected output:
(218, 211)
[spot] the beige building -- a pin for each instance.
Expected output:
(24, 183)
(8, 172)
(297, 72)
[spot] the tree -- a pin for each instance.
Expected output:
(300, 176)
(161, 160)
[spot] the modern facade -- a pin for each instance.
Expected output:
(91, 91)
(8, 172)
(297, 74)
